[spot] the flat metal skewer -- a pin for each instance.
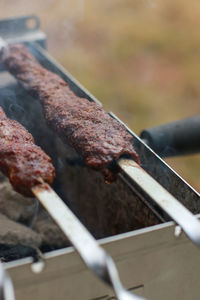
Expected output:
(6, 286)
(2, 43)
(177, 211)
(92, 254)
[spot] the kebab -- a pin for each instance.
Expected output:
(20, 159)
(84, 125)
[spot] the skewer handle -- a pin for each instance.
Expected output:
(179, 213)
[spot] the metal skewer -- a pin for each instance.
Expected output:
(179, 213)
(92, 254)
(6, 287)
(2, 43)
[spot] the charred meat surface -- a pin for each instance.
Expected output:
(20, 159)
(95, 135)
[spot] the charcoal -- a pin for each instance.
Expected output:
(15, 206)
(52, 236)
(12, 233)
(27, 211)
(14, 252)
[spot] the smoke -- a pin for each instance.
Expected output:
(80, 9)
(151, 4)
(61, 27)
(16, 110)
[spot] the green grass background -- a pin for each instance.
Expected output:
(140, 58)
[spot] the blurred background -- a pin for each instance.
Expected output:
(140, 58)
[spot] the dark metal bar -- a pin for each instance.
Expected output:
(175, 138)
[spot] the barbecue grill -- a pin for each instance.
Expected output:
(132, 217)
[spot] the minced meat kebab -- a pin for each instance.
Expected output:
(84, 125)
(24, 163)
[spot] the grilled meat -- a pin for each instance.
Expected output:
(20, 159)
(95, 135)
